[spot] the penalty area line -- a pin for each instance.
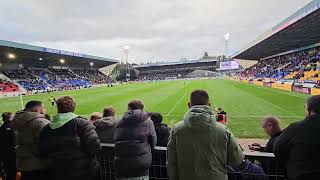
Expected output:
(176, 105)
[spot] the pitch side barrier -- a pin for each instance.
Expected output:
(283, 86)
(158, 171)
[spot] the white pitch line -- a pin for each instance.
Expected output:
(176, 104)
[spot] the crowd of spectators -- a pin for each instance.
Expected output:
(198, 147)
(164, 74)
(279, 67)
(8, 86)
(37, 79)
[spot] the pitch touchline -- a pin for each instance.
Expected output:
(176, 104)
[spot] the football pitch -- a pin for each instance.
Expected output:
(245, 104)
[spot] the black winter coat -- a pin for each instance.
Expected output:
(298, 147)
(163, 134)
(135, 137)
(71, 149)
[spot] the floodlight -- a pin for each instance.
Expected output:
(62, 61)
(91, 63)
(40, 59)
(11, 56)
(227, 36)
(126, 47)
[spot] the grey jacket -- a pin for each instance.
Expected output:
(105, 129)
(28, 126)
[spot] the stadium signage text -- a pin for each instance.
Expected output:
(57, 51)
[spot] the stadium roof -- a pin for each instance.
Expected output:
(29, 54)
(299, 30)
(175, 63)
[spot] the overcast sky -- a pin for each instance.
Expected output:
(156, 30)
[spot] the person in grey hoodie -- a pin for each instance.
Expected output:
(28, 123)
(105, 126)
(199, 147)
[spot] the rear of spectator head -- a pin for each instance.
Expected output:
(156, 117)
(199, 97)
(271, 125)
(66, 104)
(95, 116)
(313, 105)
(35, 106)
(109, 111)
(6, 117)
(135, 104)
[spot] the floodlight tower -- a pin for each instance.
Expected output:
(226, 38)
(126, 53)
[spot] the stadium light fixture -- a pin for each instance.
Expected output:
(11, 56)
(91, 63)
(227, 36)
(126, 47)
(62, 61)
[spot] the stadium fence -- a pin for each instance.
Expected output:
(158, 171)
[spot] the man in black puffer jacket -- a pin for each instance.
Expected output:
(71, 144)
(135, 137)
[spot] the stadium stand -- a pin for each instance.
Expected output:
(40, 69)
(8, 86)
(288, 53)
(174, 70)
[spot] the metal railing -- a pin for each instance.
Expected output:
(158, 171)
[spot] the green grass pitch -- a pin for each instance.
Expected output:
(245, 104)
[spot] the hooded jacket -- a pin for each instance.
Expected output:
(28, 126)
(71, 144)
(200, 148)
(135, 137)
(105, 129)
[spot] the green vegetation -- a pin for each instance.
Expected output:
(245, 104)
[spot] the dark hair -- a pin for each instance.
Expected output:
(313, 104)
(6, 116)
(156, 117)
(108, 111)
(135, 104)
(199, 97)
(66, 104)
(32, 104)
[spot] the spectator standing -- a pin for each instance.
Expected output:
(162, 130)
(199, 147)
(95, 117)
(135, 138)
(7, 144)
(28, 123)
(298, 146)
(71, 144)
(105, 127)
(271, 126)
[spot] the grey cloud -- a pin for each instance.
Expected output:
(156, 29)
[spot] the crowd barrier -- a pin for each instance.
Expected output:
(158, 171)
(285, 87)
(272, 168)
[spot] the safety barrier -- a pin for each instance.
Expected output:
(158, 171)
